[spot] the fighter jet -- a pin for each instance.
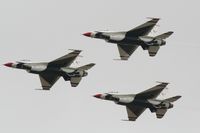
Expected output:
(128, 41)
(137, 103)
(50, 72)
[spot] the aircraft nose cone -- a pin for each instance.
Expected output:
(88, 34)
(8, 64)
(98, 95)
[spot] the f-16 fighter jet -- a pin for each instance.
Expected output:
(50, 72)
(137, 103)
(128, 41)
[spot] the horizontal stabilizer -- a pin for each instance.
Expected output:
(153, 50)
(172, 99)
(86, 67)
(164, 35)
(160, 113)
(75, 81)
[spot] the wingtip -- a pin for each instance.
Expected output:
(40, 89)
(124, 58)
(128, 120)
(92, 64)
(75, 50)
(161, 82)
(120, 59)
(178, 97)
(154, 18)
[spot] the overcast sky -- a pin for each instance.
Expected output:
(43, 30)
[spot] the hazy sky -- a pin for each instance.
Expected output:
(42, 30)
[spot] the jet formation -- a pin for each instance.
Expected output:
(128, 41)
(50, 72)
(136, 104)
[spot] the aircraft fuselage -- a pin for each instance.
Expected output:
(39, 68)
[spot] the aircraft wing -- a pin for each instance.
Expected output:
(75, 81)
(65, 60)
(152, 92)
(126, 51)
(160, 113)
(134, 112)
(143, 29)
(48, 80)
(153, 50)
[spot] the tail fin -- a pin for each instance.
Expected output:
(172, 99)
(165, 35)
(86, 67)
